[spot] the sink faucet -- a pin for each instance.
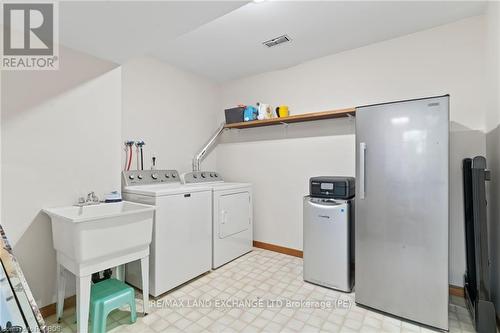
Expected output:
(92, 199)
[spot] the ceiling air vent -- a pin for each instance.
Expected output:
(277, 41)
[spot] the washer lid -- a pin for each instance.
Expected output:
(158, 190)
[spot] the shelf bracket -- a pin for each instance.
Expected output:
(285, 128)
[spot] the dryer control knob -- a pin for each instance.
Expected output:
(154, 176)
(195, 176)
(203, 175)
(139, 176)
(167, 175)
(131, 177)
(174, 175)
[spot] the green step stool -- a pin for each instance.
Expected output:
(106, 296)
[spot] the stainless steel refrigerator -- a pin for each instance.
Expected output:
(402, 209)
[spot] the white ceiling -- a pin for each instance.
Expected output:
(223, 40)
(121, 30)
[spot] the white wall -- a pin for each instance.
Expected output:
(173, 111)
(446, 59)
(492, 51)
(60, 139)
(463, 143)
(493, 143)
(279, 169)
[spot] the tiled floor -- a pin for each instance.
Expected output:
(200, 305)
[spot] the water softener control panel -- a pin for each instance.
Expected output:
(332, 187)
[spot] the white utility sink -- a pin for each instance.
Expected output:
(92, 232)
(93, 238)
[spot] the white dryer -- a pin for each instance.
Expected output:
(232, 215)
(182, 229)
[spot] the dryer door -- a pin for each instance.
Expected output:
(233, 213)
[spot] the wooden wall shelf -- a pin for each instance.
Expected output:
(295, 118)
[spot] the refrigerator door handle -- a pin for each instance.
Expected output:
(362, 169)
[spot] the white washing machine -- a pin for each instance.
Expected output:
(232, 215)
(182, 230)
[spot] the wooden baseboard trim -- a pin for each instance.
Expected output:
(50, 309)
(279, 249)
(454, 290)
(457, 291)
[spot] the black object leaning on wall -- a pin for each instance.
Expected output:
(477, 275)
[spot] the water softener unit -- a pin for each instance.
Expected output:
(329, 232)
